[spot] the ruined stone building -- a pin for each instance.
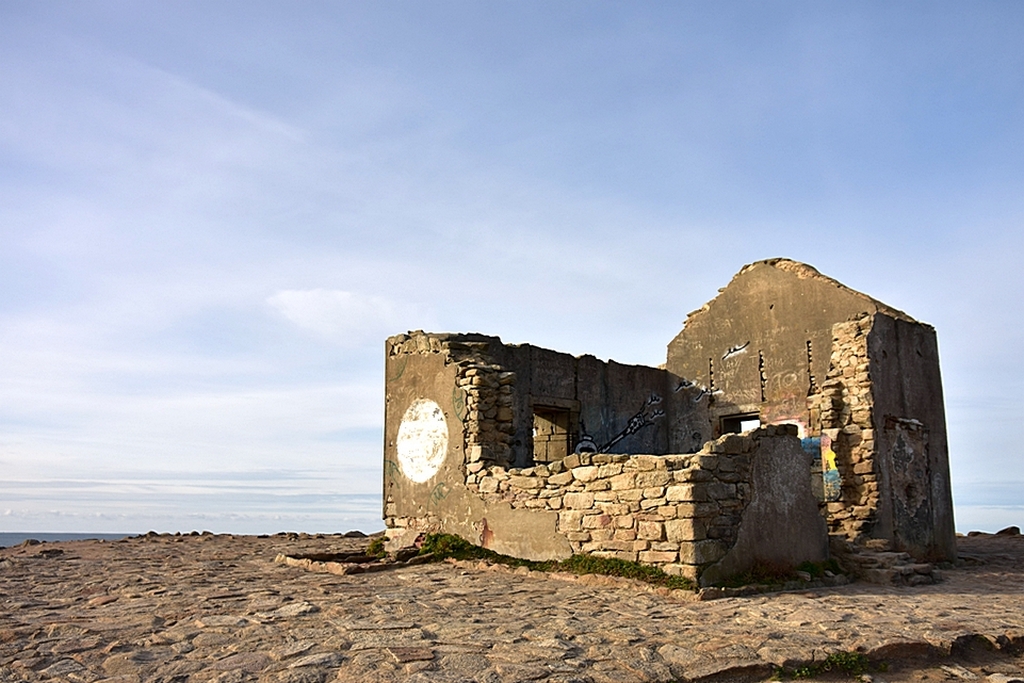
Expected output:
(790, 407)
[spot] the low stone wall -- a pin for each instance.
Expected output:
(679, 512)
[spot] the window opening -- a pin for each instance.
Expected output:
(552, 433)
(735, 424)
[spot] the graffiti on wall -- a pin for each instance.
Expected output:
(644, 417)
(422, 442)
(830, 471)
(735, 350)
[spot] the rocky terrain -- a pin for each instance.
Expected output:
(219, 608)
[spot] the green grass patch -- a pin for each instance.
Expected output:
(444, 546)
(850, 663)
(770, 574)
(376, 547)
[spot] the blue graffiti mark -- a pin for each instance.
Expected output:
(439, 493)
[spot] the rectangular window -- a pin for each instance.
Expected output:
(552, 433)
(735, 424)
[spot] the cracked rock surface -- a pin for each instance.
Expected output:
(218, 608)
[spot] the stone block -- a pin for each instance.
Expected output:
(521, 482)
(652, 478)
(578, 501)
(578, 536)
(613, 544)
(720, 490)
(654, 492)
(651, 531)
(665, 546)
(560, 479)
(488, 485)
(606, 496)
(734, 444)
(697, 510)
(701, 552)
(687, 571)
(630, 495)
(651, 503)
(626, 480)
(602, 534)
(597, 485)
(616, 554)
(693, 475)
(585, 474)
(658, 557)
(687, 493)
(570, 520)
(609, 470)
(647, 462)
(625, 535)
(613, 509)
(686, 529)
(597, 521)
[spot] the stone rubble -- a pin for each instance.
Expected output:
(219, 608)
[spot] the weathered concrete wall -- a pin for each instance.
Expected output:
(781, 525)
(431, 433)
(910, 436)
(881, 415)
(617, 408)
(763, 344)
(859, 378)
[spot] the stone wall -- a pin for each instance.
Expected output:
(845, 409)
(880, 410)
(684, 513)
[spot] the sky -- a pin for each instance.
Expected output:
(213, 213)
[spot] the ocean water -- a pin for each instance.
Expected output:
(9, 538)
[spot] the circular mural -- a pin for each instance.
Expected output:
(422, 440)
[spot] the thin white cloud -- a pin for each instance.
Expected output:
(346, 318)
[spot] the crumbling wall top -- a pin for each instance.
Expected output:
(803, 271)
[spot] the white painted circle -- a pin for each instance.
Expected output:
(422, 440)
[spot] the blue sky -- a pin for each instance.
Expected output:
(213, 213)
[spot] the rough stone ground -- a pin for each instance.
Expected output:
(217, 608)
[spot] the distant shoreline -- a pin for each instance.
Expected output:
(12, 538)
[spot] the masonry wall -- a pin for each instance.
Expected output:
(454, 409)
(881, 413)
(910, 429)
(742, 499)
(763, 344)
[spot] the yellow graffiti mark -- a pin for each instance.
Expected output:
(829, 457)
